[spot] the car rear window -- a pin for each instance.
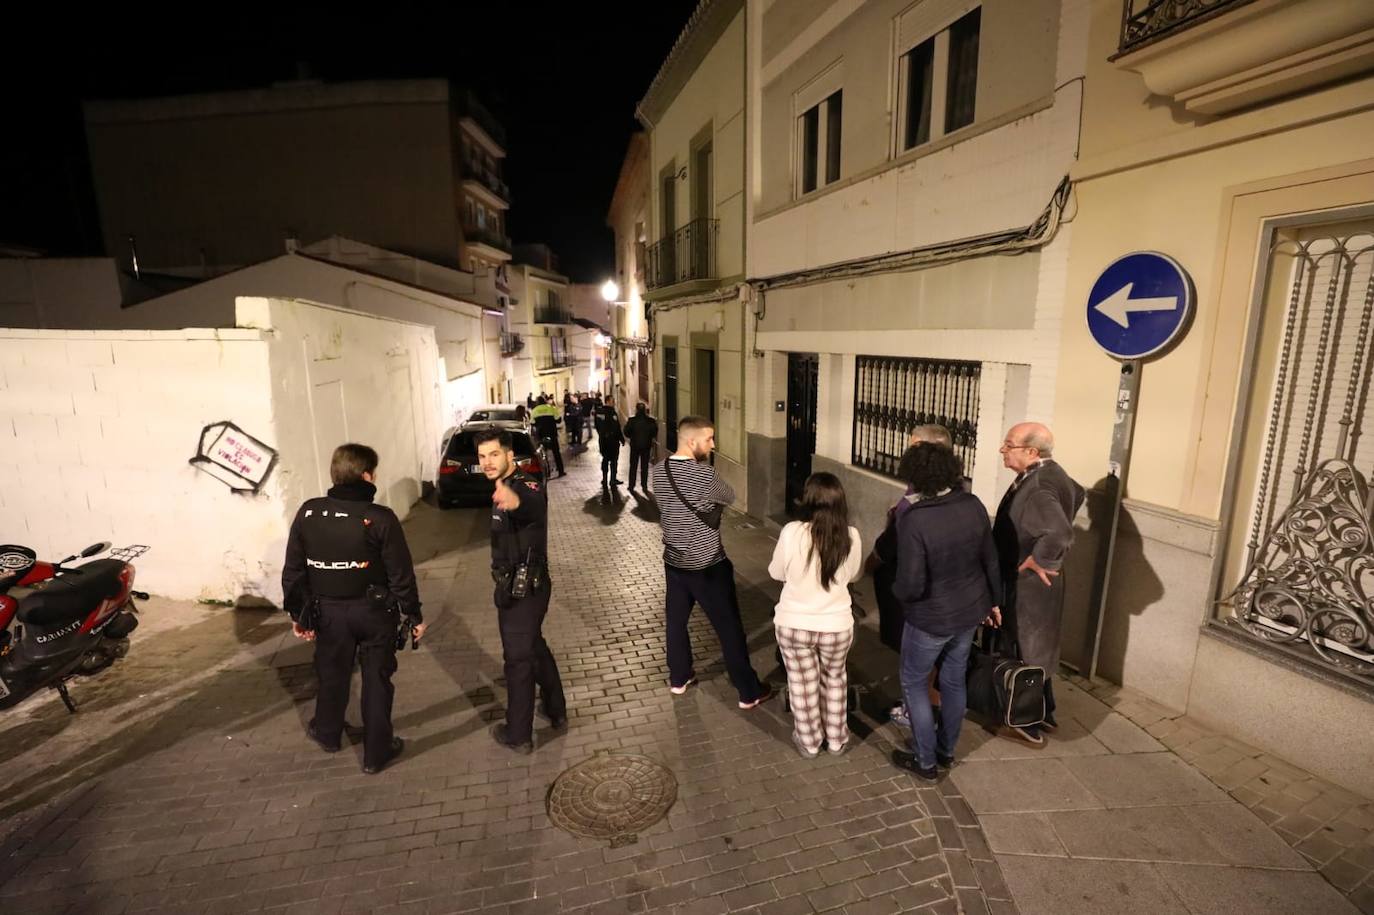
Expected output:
(489, 416)
(465, 444)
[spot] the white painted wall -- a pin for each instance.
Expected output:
(97, 428)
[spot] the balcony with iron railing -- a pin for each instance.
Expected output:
(1213, 57)
(552, 362)
(484, 235)
(688, 255)
(552, 314)
(1144, 21)
(469, 106)
(511, 344)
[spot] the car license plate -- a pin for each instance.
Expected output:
(475, 468)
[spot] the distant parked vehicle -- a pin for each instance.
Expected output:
(460, 475)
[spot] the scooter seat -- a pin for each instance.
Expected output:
(73, 594)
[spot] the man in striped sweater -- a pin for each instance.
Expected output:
(690, 500)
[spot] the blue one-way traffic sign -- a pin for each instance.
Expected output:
(1140, 304)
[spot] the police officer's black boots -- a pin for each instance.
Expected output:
(397, 745)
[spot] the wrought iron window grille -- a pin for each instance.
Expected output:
(1145, 21)
(1308, 584)
(894, 394)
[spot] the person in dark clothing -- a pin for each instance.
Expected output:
(588, 408)
(347, 579)
(882, 562)
(609, 438)
(946, 581)
(572, 420)
(519, 566)
(641, 432)
(1033, 533)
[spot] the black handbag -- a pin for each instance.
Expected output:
(1002, 688)
(710, 518)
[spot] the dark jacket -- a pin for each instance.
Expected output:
(1036, 519)
(608, 434)
(523, 533)
(946, 564)
(341, 544)
(641, 431)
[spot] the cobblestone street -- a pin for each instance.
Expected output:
(186, 784)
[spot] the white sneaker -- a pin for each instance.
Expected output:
(679, 690)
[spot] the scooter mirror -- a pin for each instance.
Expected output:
(95, 548)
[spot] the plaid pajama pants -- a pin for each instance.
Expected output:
(817, 684)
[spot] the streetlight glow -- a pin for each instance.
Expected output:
(610, 291)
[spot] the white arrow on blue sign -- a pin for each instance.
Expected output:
(1140, 305)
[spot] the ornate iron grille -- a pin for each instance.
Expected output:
(1308, 584)
(1143, 21)
(893, 394)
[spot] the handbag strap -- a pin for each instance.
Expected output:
(702, 516)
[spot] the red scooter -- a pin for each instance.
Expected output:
(64, 621)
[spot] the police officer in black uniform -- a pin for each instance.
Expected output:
(347, 581)
(519, 564)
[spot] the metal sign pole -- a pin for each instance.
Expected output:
(1119, 465)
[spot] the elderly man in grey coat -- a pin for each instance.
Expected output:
(1033, 533)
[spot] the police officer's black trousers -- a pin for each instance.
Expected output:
(528, 662)
(346, 628)
(610, 464)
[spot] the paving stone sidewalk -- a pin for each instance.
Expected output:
(185, 784)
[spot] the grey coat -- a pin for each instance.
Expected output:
(1036, 519)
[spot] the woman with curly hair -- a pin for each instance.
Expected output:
(947, 577)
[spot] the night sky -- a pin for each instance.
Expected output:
(563, 78)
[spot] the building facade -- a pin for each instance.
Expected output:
(1239, 143)
(540, 322)
(412, 166)
(694, 116)
(628, 218)
(906, 248)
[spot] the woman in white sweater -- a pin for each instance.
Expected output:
(816, 559)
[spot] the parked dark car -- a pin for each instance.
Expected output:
(460, 475)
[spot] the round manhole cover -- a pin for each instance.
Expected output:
(612, 796)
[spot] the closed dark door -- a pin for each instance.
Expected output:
(670, 395)
(802, 371)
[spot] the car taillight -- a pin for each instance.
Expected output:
(450, 466)
(530, 465)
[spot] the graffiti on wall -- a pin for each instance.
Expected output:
(234, 457)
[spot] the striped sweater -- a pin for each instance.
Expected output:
(688, 543)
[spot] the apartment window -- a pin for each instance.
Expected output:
(818, 141)
(938, 82)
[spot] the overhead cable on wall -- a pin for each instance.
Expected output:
(1010, 241)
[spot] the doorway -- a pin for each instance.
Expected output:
(670, 416)
(803, 370)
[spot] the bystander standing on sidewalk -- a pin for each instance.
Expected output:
(1033, 531)
(816, 558)
(691, 498)
(609, 438)
(947, 577)
(642, 433)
